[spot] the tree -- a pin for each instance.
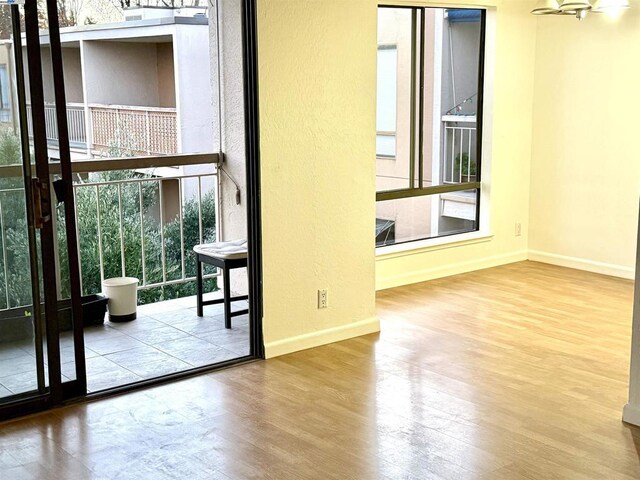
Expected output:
(123, 4)
(141, 233)
(69, 12)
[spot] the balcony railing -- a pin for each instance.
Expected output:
(130, 222)
(116, 130)
(459, 148)
(139, 130)
(75, 121)
(147, 198)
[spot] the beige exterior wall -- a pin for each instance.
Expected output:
(122, 73)
(232, 216)
(72, 74)
(166, 75)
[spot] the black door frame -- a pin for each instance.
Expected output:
(252, 152)
(75, 391)
(40, 213)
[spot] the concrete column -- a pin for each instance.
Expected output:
(232, 217)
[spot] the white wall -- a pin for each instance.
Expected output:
(585, 172)
(193, 86)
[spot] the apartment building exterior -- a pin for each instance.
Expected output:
(137, 87)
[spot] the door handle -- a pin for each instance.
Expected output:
(41, 202)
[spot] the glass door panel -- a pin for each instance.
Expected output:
(23, 370)
(55, 117)
(41, 344)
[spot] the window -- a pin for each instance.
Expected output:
(429, 111)
(5, 115)
(387, 96)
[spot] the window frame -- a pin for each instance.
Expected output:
(416, 188)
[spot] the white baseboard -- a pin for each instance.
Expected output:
(424, 275)
(631, 414)
(582, 264)
(321, 337)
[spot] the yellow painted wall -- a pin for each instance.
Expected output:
(563, 158)
(585, 180)
(317, 76)
(508, 181)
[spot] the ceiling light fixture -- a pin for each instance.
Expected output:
(578, 8)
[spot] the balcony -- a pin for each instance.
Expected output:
(75, 121)
(137, 130)
(115, 128)
(459, 166)
(130, 222)
(459, 148)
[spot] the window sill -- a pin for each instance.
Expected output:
(432, 244)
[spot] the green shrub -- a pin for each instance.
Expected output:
(462, 161)
(140, 233)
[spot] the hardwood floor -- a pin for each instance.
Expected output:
(516, 372)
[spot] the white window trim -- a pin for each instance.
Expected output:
(484, 233)
(432, 244)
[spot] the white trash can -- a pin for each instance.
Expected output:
(122, 293)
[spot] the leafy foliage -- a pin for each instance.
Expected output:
(468, 168)
(128, 204)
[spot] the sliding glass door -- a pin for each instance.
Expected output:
(35, 194)
(116, 162)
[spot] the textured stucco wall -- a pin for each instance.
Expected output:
(232, 217)
(317, 74)
(194, 100)
(166, 75)
(121, 73)
(72, 74)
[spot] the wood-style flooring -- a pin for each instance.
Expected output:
(516, 372)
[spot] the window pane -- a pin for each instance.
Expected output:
(387, 101)
(386, 145)
(451, 58)
(387, 88)
(431, 57)
(424, 217)
(394, 95)
(456, 119)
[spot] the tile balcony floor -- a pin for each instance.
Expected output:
(166, 337)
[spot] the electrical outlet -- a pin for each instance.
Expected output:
(323, 298)
(518, 229)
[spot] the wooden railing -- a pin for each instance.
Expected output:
(116, 130)
(120, 130)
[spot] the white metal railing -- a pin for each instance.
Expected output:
(459, 162)
(149, 130)
(199, 189)
(75, 121)
(196, 194)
